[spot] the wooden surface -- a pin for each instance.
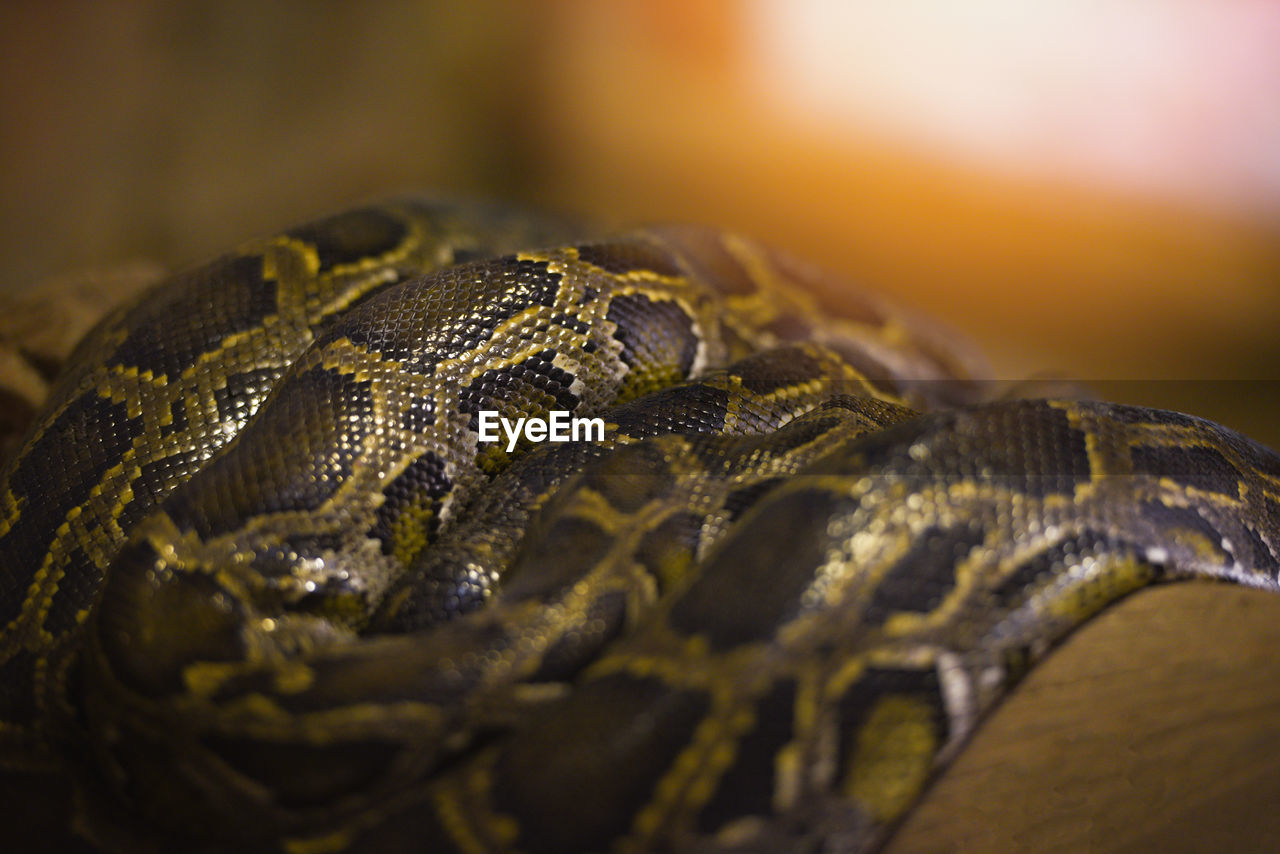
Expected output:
(1154, 728)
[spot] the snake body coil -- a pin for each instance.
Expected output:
(262, 587)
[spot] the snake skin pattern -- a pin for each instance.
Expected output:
(263, 588)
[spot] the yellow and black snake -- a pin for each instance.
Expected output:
(263, 588)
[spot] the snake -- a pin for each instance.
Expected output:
(263, 587)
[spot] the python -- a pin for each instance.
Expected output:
(262, 587)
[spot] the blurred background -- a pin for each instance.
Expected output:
(1087, 189)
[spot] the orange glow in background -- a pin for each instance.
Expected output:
(1091, 190)
(1174, 100)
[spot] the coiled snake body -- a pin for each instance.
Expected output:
(263, 588)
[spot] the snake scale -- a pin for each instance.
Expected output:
(264, 589)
